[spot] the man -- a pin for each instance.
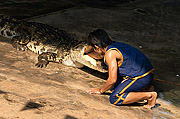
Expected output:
(124, 61)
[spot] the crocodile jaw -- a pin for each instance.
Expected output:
(77, 56)
(90, 59)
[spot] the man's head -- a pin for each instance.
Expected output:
(99, 39)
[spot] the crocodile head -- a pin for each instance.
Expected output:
(77, 55)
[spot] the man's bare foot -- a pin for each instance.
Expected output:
(151, 101)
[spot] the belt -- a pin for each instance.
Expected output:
(138, 77)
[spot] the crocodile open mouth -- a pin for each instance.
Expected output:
(79, 54)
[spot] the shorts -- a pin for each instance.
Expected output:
(121, 90)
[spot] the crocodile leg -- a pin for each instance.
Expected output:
(20, 43)
(46, 57)
(42, 60)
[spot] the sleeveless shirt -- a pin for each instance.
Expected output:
(134, 62)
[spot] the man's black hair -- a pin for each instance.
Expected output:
(100, 38)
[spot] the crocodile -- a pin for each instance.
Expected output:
(52, 44)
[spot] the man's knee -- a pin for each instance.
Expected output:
(117, 99)
(114, 100)
(111, 99)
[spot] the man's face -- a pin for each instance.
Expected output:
(98, 50)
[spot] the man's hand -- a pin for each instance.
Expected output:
(94, 91)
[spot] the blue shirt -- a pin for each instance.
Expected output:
(134, 62)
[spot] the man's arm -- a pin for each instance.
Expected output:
(111, 59)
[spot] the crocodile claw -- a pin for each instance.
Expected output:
(42, 63)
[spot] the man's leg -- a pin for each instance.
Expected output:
(137, 96)
(133, 90)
